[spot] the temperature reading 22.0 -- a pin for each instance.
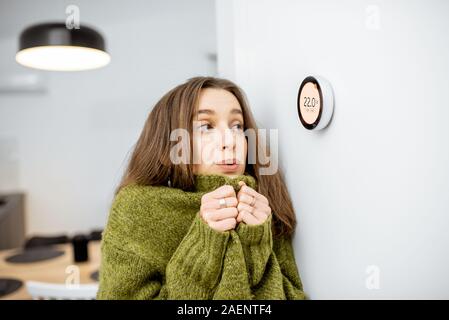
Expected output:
(310, 103)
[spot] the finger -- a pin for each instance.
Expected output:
(258, 204)
(215, 203)
(251, 192)
(222, 214)
(261, 216)
(248, 218)
(241, 184)
(262, 207)
(245, 198)
(244, 207)
(222, 192)
(224, 225)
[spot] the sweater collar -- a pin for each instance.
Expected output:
(210, 182)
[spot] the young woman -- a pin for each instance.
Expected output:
(200, 221)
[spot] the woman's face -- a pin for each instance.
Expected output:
(219, 143)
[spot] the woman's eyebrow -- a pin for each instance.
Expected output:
(205, 111)
(212, 112)
(236, 111)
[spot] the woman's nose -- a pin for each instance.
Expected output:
(227, 139)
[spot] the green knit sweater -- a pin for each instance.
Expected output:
(156, 246)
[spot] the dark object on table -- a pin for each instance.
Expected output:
(9, 285)
(95, 235)
(39, 241)
(12, 220)
(80, 249)
(95, 275)
(35, 255)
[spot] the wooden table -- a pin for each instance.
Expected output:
(52, 270)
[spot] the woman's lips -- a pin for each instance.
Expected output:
(228, 167)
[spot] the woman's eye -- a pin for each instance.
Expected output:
(237, 127)
(205, 127)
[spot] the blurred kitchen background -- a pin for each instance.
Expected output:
(64, 135)
(370, 190)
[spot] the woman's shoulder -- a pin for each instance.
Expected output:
(139, 211)
(143, 204)
(135, 196)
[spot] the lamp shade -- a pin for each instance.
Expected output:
(52, 46)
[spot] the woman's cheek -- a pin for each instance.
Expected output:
(203, 151)
(241, 148)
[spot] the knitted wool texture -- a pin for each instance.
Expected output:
(156, 246)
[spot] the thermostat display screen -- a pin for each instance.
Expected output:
(310, 102)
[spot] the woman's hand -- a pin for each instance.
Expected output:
(220, 216)
(253, 208)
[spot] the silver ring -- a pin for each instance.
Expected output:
(253, 202)
(222, 202)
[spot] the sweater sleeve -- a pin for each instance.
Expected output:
(270, 265)
(195, 268)
(136, 268)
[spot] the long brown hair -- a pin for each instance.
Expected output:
(150, 163)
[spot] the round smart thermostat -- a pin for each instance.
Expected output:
(315, 103)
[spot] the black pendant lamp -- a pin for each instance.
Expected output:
(53, 46)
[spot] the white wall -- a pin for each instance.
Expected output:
(371, 189)
(66, 147)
